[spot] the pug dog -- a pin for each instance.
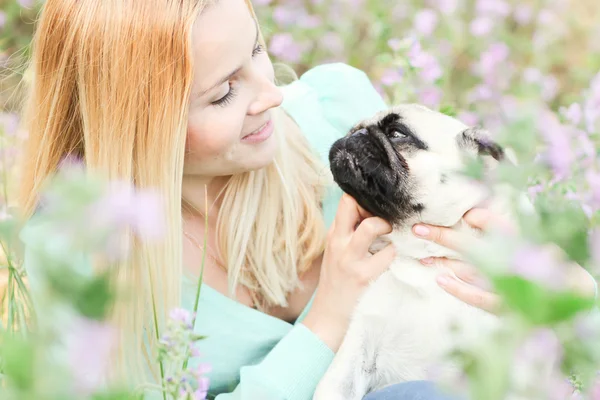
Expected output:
(404, 165)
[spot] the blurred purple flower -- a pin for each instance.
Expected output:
(285, 16)
(574, 113)
(333, 42)
(88, 345)
(9, 122)
(430, 69)
(309, 21)
(493, 7)
(2, 19)
(394, 44)
(592, 104)
(481, 26)
(492, 58)
(284, 46)
(559, 154)
(468, 118)
(391, 76)
(539, 265)
(593, 180)
(523, 13)
(532, 75)
(445, 6)
(182, 316)
(124, 206)
(26, 3)
(431, 97)
(425, 21)
(549, 87)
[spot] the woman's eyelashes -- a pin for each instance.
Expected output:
(225, 100)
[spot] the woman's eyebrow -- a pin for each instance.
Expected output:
(231, 74)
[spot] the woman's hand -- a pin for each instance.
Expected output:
(347, 270)
(471, 287)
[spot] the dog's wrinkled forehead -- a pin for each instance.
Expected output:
(436, 131)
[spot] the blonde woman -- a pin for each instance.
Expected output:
(178, 95)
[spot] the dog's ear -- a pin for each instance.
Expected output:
(479, 140)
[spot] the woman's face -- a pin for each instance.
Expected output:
(229, 127)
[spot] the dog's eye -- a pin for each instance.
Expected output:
(398, 135)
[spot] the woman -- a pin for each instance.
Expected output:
(179, 96)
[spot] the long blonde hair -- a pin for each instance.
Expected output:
(111, 83)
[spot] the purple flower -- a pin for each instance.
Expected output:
(426, 21)
(9, 122)
(124, 206)
(391, 76)
(539, 265)
(593, 180)
(493, 7)
(181, 315)
(284, 16)
(445, 6)
(574, 114)
(431, 97)
(333, 42)
(88, 345)
(26, 3)
(481, 26)
(468, 118)
(2, 19)
(284, 46)
(394, 44)
(492, 58)
(523, 13)
(559, 154)
(309, 21)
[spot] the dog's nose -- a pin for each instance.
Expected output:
(362, 131)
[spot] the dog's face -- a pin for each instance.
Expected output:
(407, 162)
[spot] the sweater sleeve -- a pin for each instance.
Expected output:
(290, 371)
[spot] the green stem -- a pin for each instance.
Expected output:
(199, 285)
(160, 363)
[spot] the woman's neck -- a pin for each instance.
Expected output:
(201, 195)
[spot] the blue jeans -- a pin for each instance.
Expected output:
(415, 390)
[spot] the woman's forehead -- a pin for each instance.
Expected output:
(222, 35)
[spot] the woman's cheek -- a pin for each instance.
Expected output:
(212, 137)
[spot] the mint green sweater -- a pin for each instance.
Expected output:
(254, 355)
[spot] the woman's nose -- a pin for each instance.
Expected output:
(268, 97)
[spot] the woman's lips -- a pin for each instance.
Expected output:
(261, 134)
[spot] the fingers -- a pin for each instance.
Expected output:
(470, 294)
(483, 218)
(464, 271)
(368, 230)
(381, 260)
(443, 236)
(349, 214)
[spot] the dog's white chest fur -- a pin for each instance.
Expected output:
(402, 328)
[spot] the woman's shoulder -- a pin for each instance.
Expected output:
(340, 94)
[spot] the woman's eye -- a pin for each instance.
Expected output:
(225, 100)
(257, 50)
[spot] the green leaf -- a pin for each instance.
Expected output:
(537, 304)
(18, 358)
(96, 298)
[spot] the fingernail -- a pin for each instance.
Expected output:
(427, 261)
(443, 280)
(421, 230)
